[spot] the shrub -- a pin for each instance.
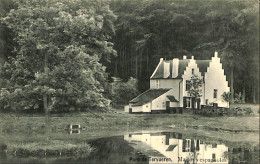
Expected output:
(212, 111)
(123, 92)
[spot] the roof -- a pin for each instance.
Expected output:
(172, 99)
(171, 147)
(148, 96)
(145, 149)
(182, 67)
(202, 65)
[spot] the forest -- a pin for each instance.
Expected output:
(84, 54)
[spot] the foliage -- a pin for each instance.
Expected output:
(195, 86)
(226, 96)
(238, 98)
(149, 30)
(59, 46)
(144, 32)
(6, 38)
(237, 111)
(123, 92)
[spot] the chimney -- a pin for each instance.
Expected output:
(192, 57)
(166, 70)
(175, 67)
(184, 57)
(216, 54)
(161, 59)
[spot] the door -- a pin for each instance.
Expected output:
(193, 102)
(184, 102)
(167, 106)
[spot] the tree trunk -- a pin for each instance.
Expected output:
(141, 56)
(254, 95)
(45, 105)
(45, 100)
(123, 61)
(147, 61)
(232, 84)
(244, 93)
(136, 67)
(131, 63)
(115, 72)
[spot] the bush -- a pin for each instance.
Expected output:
(123, 92)
(212, 111)
(49, 148)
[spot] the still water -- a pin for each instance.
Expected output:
(154, 147)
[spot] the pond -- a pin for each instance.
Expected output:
(155, 147)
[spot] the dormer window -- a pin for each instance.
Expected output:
(192, 71)
(157, 84)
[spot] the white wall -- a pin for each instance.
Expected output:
(126, 107)
(160, 102)
(187, 76)
(137, 108)
(215, 79)
(181, 94)
(174, 104)
(147, 107)
(165, 83)
(141, 108)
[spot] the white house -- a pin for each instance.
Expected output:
(169, 85)
(171, 147)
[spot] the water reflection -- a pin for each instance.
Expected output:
(169, 147)
(74, 131)
(146, 147)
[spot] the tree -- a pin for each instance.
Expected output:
(60, 46)
(123, 92)
(232, 28)
(6, 40)
(195, 90)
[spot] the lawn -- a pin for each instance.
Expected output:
(28, 130)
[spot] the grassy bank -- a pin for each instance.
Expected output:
(28, 130)
(45, 148)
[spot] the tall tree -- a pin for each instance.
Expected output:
(171, 29)
(60, 47)
(6, 40)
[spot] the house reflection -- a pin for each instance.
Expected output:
(173, 148)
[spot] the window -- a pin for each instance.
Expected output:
(213, 157)
(192, 71)
(187, 102)
(157, 84)
(187, 85)
(215, 93)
